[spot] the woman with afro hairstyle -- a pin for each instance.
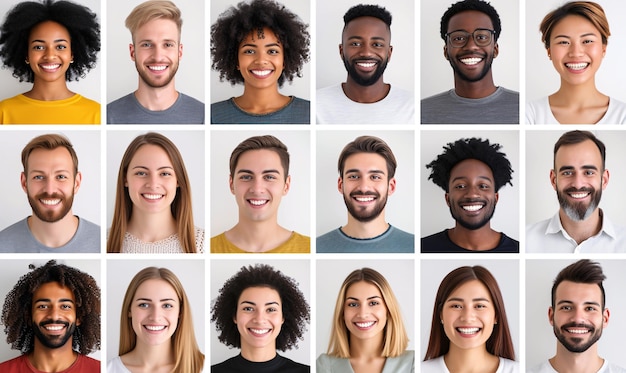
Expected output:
(260, 310)
(49, 43)
(261, 44)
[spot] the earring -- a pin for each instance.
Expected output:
(441, 322)
(28, 63)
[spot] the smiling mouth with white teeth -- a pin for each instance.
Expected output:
(364, 325)
(577, 66)
(261, 73)
(468, 330)
(578, 331)
(471, 61)
(157, 68)
(155, 328)
(152, 196)
(579, 195)
(258, 202)
(259, 332)
(50, 202)
(472, 208)
(366, 65)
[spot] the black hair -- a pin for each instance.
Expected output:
(583, 271)
(472, 148)
(80, 22)
(236, 23)
(465, 5)
(364, 10)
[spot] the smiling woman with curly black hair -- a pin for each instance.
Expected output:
(260, 310)
(260, 44)
(49, 43)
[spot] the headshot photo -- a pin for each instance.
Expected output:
(361, 303)
(245, 294)
(32, 291)
(573, 55)
(483, 291)
(465, 228)
(369, 207)
(155, 192)
(155, 307)
(58, 214)
(67, 89)
(365, 62)
(469, 61)
(260, 196)
(260, 70)
(156, 63)
(576, 202)
(587, 297)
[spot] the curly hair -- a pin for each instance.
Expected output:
(17, 309)
(296, 310)
(472, 148)
(465, 5)
(236, 23)
(363, 10)
(79, 21)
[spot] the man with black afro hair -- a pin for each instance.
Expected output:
(470, 30)
(471, 172)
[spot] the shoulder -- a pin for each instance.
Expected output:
(330, 92)
(439, 97)
(400, 363)
(508, 366)
(199, 235)
(86, 224)
(221, 105)
(288, 363)
(545, 367)
(507, 244)
(13, 365)
(87, 364)
(224, 365)
(87, 102)
(327, 364)
(429, 242)
(188, 100)
(435, 365)
(508, 92)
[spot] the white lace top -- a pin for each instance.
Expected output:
(169, 245)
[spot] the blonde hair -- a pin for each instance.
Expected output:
(189, 358)
(151, 10)
(181, 206)
(395, 339)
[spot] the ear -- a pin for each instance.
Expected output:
(390, 53)
(231, 185)
(287, 185)
(340, 184)
(549, 53)
(553, 179)
(551, 316)
(497, 197)
(447, 199)
(496, 50)
(131, 49)
(77, 180)
(341, 51)
(605, 317)
(180, 51)
(23, 182)
(605, 178)
(603, 50)
(445, 52)
(392, 186)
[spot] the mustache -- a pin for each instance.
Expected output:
(359, 193)
(583, 189)
(47, 195)
(578, 325)
(472, 200)
(58, 322)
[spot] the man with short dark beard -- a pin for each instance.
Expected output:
(470, 30)
(578, 316)
(471, 172)
(365, 50)
(579, 176)
(366, 179)
(50, 180)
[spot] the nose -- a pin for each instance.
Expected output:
(256, 184)
(50, 185)
(152, 180)
(467, 313)
(575, 49)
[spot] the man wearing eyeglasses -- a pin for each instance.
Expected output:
(470, 30)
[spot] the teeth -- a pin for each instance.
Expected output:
(260, 331)
(578, 331)
(50, 202)
(258, 202)
(471, 61)
(153, 196)
(261, 72)
(157, 68)
(155, 328)
(50, 67)
(366, 64)
(54, 328)
(577, 66)
(579, 195)
(472, 207)
(364, 324)
(468, 330)
(364, 199)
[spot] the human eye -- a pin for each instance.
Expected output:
(166, 173)
(272, 309)
(247, 309)
(41, 306)
(459, 186)
(352, 304)
(566, 308)
(376, 177)
(170, 44)
(62, 177)
(590, 172)
(141, 173)
(38, 47)
(458, 38)
(270, 177)
(484, 186)
(248, 51)
(353, 177)
(273, 51)
(38, 177)
(66, 307)
(567, 173)
(143, 305)
(456, 306)
(374, 303)
(481, 306)
(378, 45)
(355, 44)
(168, 305)
(245, 177)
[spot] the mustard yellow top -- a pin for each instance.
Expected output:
(74, 110)
(297, 243)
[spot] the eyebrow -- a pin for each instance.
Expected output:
(272, 171)
(256, 46)
(158, 168)
(254, 304)
(368, 172)
(584, 167)
(571, 302)
(362, 38)
(473, 300)
(48, 300)
(372, 297)
(150, 300)
(153, 41)
(583, 35)
(43, 172)
(465, 177)
(43, 41)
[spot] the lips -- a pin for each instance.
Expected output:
(468, 330)
(50, 67)
(365, 324)
(577, 66)
(152, 196)
(259, 332)
(261, 73)
(258, 202)
(155, 328)
(157, 68)
(471, 61)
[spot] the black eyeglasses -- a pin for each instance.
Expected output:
(482, 37)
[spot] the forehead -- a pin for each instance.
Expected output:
(584, 153)
(49, 29)
(263, 159)
(264, 293)
(471, 290)
(150, 153)
(53, 291)
(156, 289)
(57, 157)
(365, 161)
(158, 28)
(367, 27)
(573, 24)
(471, 168)
(363, 289)
(469, 21)
(267, 35)
(578, 292)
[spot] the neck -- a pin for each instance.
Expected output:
(257, 236)
(483, 238)
(576, 95)
(261, 100)
(470, 360)
(52, 359)
(582, 230)
(570, 362)
(156, 99)
(258, 355)
(49, 91)
(366, 348)
(365, 94)
(54, 234)
(151, 227)
(478, 89)
(152, 357)
(370, 229)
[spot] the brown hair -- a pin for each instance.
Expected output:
(188, 356)
(499, 343)
(576, 137)
(151, 10)
(49, 141)
(593, 12)
(368, 144)
(181, 206)
(583, 271)
(257, 143)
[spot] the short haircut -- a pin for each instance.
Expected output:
(151, 10)
(49, 141)
(472, 148)
(499, 343)
(368, 144)
(80, 22)
(576, 137)
(395, 339)
(465, 5)
(366, 10)
(235, 24)
(268, 142)
(295, 308)
(593, 12)
(17, 311)
(583, 271)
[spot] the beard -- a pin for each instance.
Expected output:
(489, 206)
(364, 80)
(362, 214)
(47, 215)
(53, 341)
(156, 83)
(578, 211)
(488, 58)
(576, 344)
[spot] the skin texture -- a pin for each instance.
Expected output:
(54, 315)
(154, 312)
(364, 312)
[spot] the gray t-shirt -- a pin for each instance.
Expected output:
(297, 111)
(18, 238)
(501, 107)
(393, 240)
(127, 110)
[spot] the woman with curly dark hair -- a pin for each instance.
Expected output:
(260, 310)
(49, 43)
(261, 44)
